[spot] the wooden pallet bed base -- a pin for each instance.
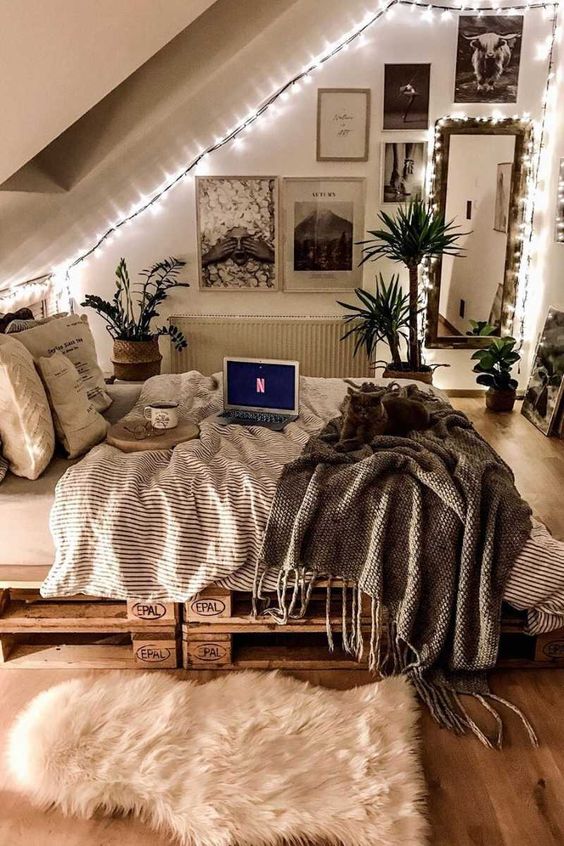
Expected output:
(87, 632)
(214, 630)
(220, 633)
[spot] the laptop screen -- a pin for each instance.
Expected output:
(261, 384)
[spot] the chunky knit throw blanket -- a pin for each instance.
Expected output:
(429, 526)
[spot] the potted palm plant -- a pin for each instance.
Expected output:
(136, 354)
(383, 316)
(494, 365)
(416, 233)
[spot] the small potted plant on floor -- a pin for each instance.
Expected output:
(136, 354)
(494, 365)
(416, 233)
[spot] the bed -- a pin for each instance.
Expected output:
(214, 526)
(231, 519)
(27, 550)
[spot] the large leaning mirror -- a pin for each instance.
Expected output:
(480, 181)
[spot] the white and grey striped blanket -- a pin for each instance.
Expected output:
(166, 524)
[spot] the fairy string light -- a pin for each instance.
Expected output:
(528, 245)
(293, 85)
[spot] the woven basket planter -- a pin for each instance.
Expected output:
(135, 361)
(425, 376)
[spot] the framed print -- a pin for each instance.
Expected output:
(487, 58)
(546, 382)
(403, 171)
(406, 96)
(323, 222)
(343, 124)
(502, 196)
(559, 232)
(237, 220)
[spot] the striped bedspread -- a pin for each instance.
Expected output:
(167, 524)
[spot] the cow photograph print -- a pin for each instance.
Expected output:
(488, 58)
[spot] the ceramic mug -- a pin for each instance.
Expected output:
(162, 415)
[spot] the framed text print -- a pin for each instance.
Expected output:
(343, 124)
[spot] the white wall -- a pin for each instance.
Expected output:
(547, 281)
(284, 146)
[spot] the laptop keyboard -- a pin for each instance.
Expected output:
(254, 416)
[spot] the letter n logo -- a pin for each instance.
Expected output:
(261, 385)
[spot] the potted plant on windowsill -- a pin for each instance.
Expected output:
(416, 233)
(136, 354)
(494, 365)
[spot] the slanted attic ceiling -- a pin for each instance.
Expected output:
(216, 70)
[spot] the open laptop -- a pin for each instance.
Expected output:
(260, 392)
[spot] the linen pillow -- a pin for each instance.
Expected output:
(71, 336)
(26, 427)
(77, 423)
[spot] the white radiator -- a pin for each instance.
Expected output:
(313, 341)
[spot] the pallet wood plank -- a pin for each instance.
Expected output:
(207, 650)
(154, 611)
(86, 616)
(156, 650)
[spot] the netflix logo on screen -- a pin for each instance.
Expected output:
(256, 384)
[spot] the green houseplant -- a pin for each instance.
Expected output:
(494, 365)
(129, 316)
(480, 328)
(383, 316)
(416, 233)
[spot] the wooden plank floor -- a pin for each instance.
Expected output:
(476, 797)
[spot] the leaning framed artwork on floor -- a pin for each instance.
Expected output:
(323, 221)
(237, 219)
(545, 390)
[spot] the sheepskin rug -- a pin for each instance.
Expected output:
(249, 759)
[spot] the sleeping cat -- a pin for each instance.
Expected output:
(368, 413)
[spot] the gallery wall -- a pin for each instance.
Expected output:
(285, 145)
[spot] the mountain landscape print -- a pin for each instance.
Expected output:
(323, 236)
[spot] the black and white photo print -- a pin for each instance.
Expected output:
(403, 175)
(323, 223)
(406, 96)
(237, 232)
(487, 59)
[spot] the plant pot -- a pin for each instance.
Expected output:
(500, 400)
(135, 361)
(425, 376)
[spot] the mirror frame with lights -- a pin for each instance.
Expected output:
(445, 128)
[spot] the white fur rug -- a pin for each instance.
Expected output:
(250, 759)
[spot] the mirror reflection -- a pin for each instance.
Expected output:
(480, 169)
(479, 183)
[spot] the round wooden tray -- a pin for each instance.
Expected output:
(120, 436)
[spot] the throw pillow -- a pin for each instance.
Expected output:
(19, 324)
(71, 336)
(20, 314)
(26, 427)
(77, 423)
